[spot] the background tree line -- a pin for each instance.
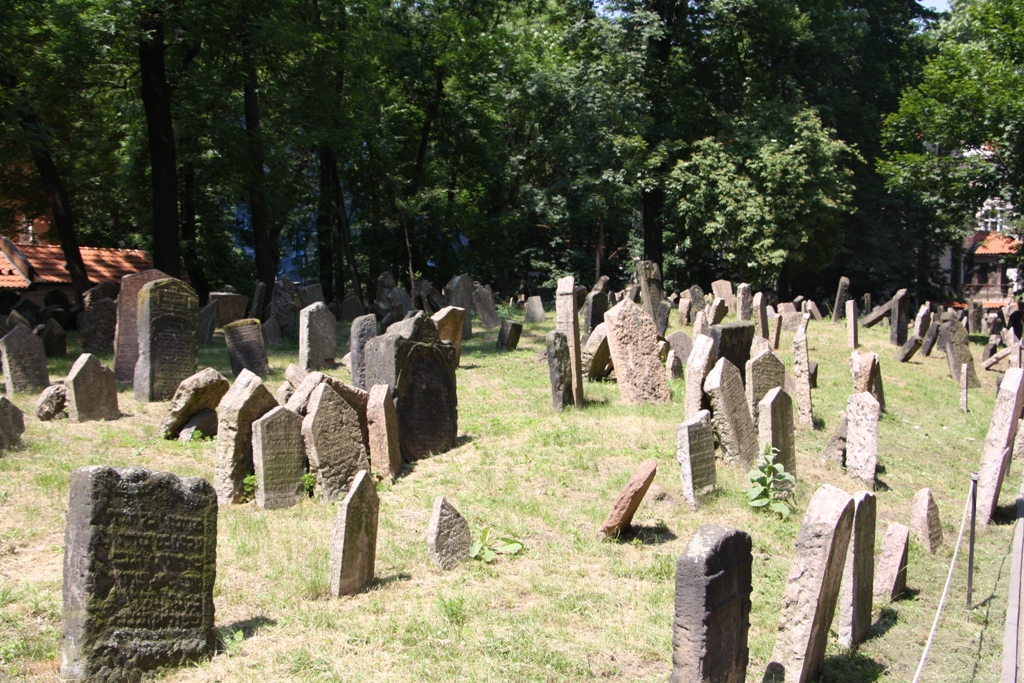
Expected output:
(761, 140)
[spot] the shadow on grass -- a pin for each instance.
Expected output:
(385, 581)
(247, 627)
(887, 618)
(907, 595)
(1004, 514)
(653, 534)
(851, 666)
(819, 423)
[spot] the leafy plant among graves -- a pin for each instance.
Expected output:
(771, 485)
(483, 549)
(309, 483)
(248, 488)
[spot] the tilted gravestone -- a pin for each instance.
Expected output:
(353, 552)
(673, 366)
(168, 347)
(52, 403)
(24, 362)
(695, 451)
(97, 325)
(535, 310)
(858, 573)
(508, 335)
(925, 522)
(661, 319)
(204, 422)
(333, 440)
(842, 295)
(311, 294)
(12, 423)
(954, 343)
(730, 414)
(702, 360)
(633, 343)
(908, 350)
(567, 322)
(272, 333)
(459, 292)
(717, 311)
(802, 374)
(596, 355)
(357, 399)
(318, 337)
(648, 275)
(776, 331)
(206, 325)
(891, 570)
(55, 339)
(851, 324)
(259, 296)
(140, 560)
(244, 339)
(278, 458)
(231, 306)
(682, 344)
(723, 291)
(775, 427)
(835, 448)
(594, 309)
(995, 454)
(923, 319)
(126, 339)
(931, 336)
(449, 322)
(201, 391)
(448, 537)
(862, 414)
(866, 372)
(413, 359)
(764, 372)
(559, 369)
(283, 307)
(91, 391)
(483, 302)
(975, 313)
(761, 316)
(684, 309)
(744, 302)
(812, 589)
(732, 341)
(621, 515)
(712, 607)
(364, 328)
(382, 419)
(898, 319)
(246, 401)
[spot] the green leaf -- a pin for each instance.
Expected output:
(780, 508)
(488, 555)
(474, 549)
(508, 548)
(760, 503)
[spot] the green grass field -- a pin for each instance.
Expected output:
(568, 608)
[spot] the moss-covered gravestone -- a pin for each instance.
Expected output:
(168, 350)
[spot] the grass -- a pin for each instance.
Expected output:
(568, 608)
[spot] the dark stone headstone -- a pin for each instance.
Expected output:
(244, 339)
(908, 350)
(535, 310)
(364, 328)
(230, 307)
(459, 292)
(732, 341)
(559, 369)
(651, 293)
(594, 309)
(899, 318)
(24, 362)
(206, 323)
(318, 337)
(931, 336)
(259, 296)
(954, 342)
(97, 336)
(508, 336)
(661, 320)
(682, 344)
(483, 301)
(54, 338)
(91, 391)
(168, 348)
(842, 294)
(126, 338)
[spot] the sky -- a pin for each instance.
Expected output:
(941, 5)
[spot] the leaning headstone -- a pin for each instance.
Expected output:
(723, 290)
(559, 369)
(866, 371)
(594, 309)
(24, 362)
(732, 341)
(862, 414)
(12, 424)
(204, 422)
(995, 455)
(91, 391)
(922, 321)
(802, 374)
(891, 570)
(777, 331)
(258, 298)
(231, 306)
(318, 337)
(596, 356)
(700, 324)
(201, 391)
(764, 373)
(835, 448)
(898, 319)
(908, 350)
(975, 312)
(684, 308)
(168, 347)
(448, 537)
(682, 344)
(661, 320)
(954, 342)
(508, 335)
(52, 403)
(567, 322)
(278, 458)
(712, 607)
(702, 360)
(535, 310)
(931, 336)
(858, 573)
(964, 380)
(717, 311)
(924, 520)
(621, 515)
(695, 451)
(483, 301)
(633, 343)
(55, 339)
(206, 325)
(333, 438)
(760, 312)
(351, 308)
(126, 338)
(283, 307)
(244, 339)
(382, 419)
(450, 327)
(311, 294)
(364, 328)
(648, 274)
(730, 414)
(140, 560)
(851, 324)
(246, 401)
(842, 295)
(744, 302)
(353, 551)
(673, 366)
(812, 590)
(459, 292)
(98, 335)
(775, 427)
(812, 308)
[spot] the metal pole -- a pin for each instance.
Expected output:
(970, 557)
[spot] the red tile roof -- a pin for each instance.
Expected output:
(46, 264)
(991, 243)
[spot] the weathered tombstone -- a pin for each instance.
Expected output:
(24, 362)
(54, 338)
(702, 360)
(862, 414)
(206, 326)
(364, 328)
(333, 438)
(964, 380)
(764, 372)
(91, 391)
(931, 336)
(621, 515)
(858, 573)
(559, 369)
(351, 308)
(382, 419)
(231, 306)
(835, 448)
(483, 301)
(712, 607)
(891, 570)
(633, 343)
(695, 451)
(684, 308)
(283, 307)
(673, 366)
(866, 371)
(140, 560)
(353, 551)
(898, 319)
(201, 391)
(508, 335)
(777, 331)
(851, 324)
(448, 537)
(168, 349)
(459, 292)
(278, 458)
(723, 290)
(661, 320)
(700, 324)
(596, 356)
(717, 311)
(760, 313)
(925, 522)
(812, 308)
(954, 342)
(259, 296)
(802, 374)
(775, 427)
(52, 403)
(15, 318)
(101, 325)
(731, 415)
(126, 338)
(567, 322)
(812, 590)
(682, 344)
(246, 401)
(908, 350)
(995, 455)
(535, 310)
(648, 274)
(744, 302)
(204, 422)
(12, 424)
(922, 321)
(975, 312)
(311, 294)
(318, 337)
(842, 296)
(244, 339)
(356, 398)
(732, 341)
(449, 322)
(593, 311)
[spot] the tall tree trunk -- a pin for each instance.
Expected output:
(653, 202)
(324, 221)
(156, 101)
(600, 248)
(189, 236)
(343, 235)
(264, 247)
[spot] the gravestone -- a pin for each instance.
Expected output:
(596, 356)
(351, 308)
(24, 362)
(866, 371)
(231, 306)
(449, 322)
(812, 308)
(932, 336)
(199, 392)
(52, 403)
(364, 328)
(898, 319)
(55, 339)
(661, 320)
(278, 458)
(835, 448)
(483, 301)
(673, 366)
(717, 311)
(333, 438)
(712, 607)
(954, 343)
(15, 318)
(206, 325)
(97, 335)
(593, 311)
(535, 310)
(908, 350)
(459, 292)
(648, 274)
(318, 337)
(695, 451)
(283, 307)
(760, 313)
(311, 294)
(702, 360)
(862, 414)
(858, 573)
(681, 343)
(448, 537)
(259, 296)
(385, 283)
(925, 522)
(356, 398)
(775, 427)
(168, 348)
(777, 331)
(923, 319)
(840, 310)
(508, 335)
(802, 374)
(204, 422)
(731, 415)
(744, 302)
(559, 369)
(684, 309)
(567, 322)
(723, 290)
(964, 380)
(126, 336)
(244, 339)
(995, 454)
(140, 561)
(382, 419)
(91, 391)
(764, 372)
(700, 324)
(246, 401)
(618, 520)
(353, 551)
(732, 341)
(891, 570)
(851, 324)
(633, 343)
(975, 312)
(812, 589)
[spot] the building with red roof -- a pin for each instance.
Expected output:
(990, 266)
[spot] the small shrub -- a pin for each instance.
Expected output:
(771, 485)
(481, 549)
(309, 483)
(248, 488)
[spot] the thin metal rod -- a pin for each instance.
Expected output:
(970, 556)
